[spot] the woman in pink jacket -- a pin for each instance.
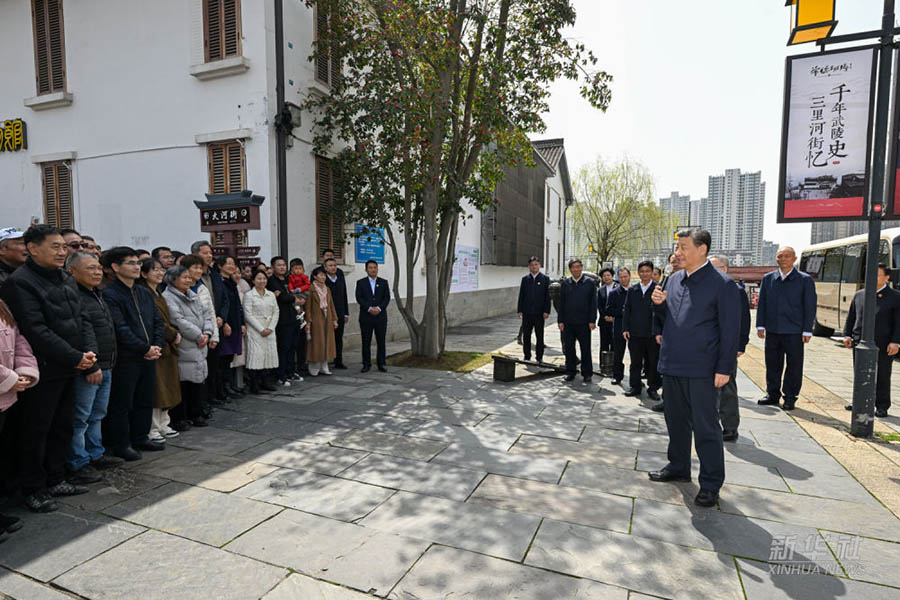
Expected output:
(18, 372)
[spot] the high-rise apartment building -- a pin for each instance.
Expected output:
(679, 207)
(734, 216)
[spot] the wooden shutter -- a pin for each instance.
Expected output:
(329, 229)
(323, 66)
(227, 168)
(221, 28)
(57, 182)
(49, 45)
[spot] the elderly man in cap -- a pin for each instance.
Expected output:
(12, 252)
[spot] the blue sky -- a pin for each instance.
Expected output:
(698, 89)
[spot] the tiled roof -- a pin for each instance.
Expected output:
(551, 150)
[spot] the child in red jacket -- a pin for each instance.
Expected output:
(297, 280)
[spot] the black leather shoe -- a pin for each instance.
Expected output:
(788, 405)
(338, 365)
(527, 359)
(570, 377)
(653, 395)
(382, 369)
(40, 502)
(665, 475)
(107, 461)
(659, 407)
(65, 488)
(128, 453)
(766, 401)
(617, 382)
(848, 407)
(365, 369)
(730, 435)
(10, 524)
(706, 498)
(881, 413)
(633, 393)
(588, 379)
(149, 446)
(84, 475)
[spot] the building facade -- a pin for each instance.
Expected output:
(826, 231)
(679, 207)
(735, 215)
(134, 110)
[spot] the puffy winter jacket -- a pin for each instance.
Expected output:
(188, 317)
(138, 322)
(97, 312)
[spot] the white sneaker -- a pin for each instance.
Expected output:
(286, 383)
(169, 432)
(326, 372)
(155, 436)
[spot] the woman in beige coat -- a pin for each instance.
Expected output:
(321, 321)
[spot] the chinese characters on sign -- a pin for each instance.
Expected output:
(369, 244)
(13, 136)
(826, 136)
(465, 270)
(795, 555)
(225, 216)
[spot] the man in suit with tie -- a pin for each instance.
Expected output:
(637, 324)
(605, 324)
(613, 314)
(887, 335)
(534, 307)
(373, 297)
(697, 356)
(334, 279)
(577, 316)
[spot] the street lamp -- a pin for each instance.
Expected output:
(811, 20)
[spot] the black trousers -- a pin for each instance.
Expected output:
(882, 379)
(692, 406)
(619, 345)
(533, 322)
(286, 340)
(379, 328)
(214, 379)
(606, 336)
(44, 423)
(130, 411)
(581, 333)
(300, 361)
(339, 342)
(644, 352)
(193, 396)
(778, 347)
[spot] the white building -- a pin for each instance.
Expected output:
(679, 207)
(134, 110)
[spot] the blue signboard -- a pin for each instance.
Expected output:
(369, 244)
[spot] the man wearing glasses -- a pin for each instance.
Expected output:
(73, 241)
(90, 246)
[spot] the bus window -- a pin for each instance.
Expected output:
(850, 273)
(811, 263)
(896, 262)
(834, 258)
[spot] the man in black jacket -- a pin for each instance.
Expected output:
(614, 310)
(49, 313)
(637, 324)
(373, 297)
(334, 279)
(728, 395)
(605, 324)
(221, 301)
(87, 453)
(286, 330)
(887, 335)
(577, 316)
(139, 339)
(534, 307)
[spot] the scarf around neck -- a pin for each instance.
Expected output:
(322, 292)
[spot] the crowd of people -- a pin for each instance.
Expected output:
(106, 354)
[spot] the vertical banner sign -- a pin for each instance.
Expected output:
(826, 136)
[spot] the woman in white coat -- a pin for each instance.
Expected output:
(261, 316)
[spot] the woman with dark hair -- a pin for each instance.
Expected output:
(230, 344)
(176, 257)
(321, 321)
(168, 386)
(261, 313)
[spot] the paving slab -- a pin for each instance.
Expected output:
(276, 427)
(867, 559)
(761, 583)
(318, 494)
(432, 479)
(298, 586)
(467, 436)
(730, 534)
(502, 463)
(580, 452)
(640, 564)
(319, 458)
(449, 416)
(358, 557)
(625, 439)
(447, 573)
(216, 440)
(51, 544)
(195, 513)
(16, 587)
(171, 567)
(117, 485)
(627, 482)
(842, 487)
(268, 406)
(480, 529)
(566, 431)
(212, 471)
(372, 422)
(736, 472)
(386, 443)
(561, 503)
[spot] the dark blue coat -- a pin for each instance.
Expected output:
(366, 299)
(700, 338)
(638, 315)
(789, 306)
(534, 295)
(744, 333)
(887, 317)
(603, 298)
(616, 309)
(138, 322)
(220, 297)
(577, 301)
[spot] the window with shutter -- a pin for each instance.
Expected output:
(57, 183)
(221, 29)
(49, 46)
(329, 228)
(227, 168)
(328, 66)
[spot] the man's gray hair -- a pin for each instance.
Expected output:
(195, 247)
(73, 260)
(721, 258)
(172, 274)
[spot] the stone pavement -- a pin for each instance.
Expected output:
(423, 485)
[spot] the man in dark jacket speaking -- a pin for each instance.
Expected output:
(534, 307)
(697, 356)
(577, 319)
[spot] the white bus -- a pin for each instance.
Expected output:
(839, 268)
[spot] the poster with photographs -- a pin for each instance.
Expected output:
(826, 136)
